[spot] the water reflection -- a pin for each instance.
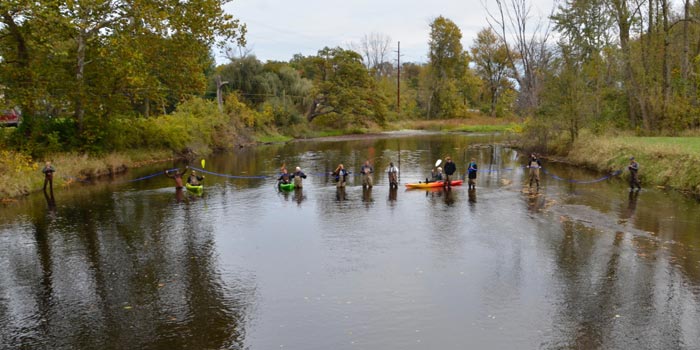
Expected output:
(573, 266)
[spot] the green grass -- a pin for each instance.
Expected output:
(683, 144)
(665, 161)
(486, 128)
(273, 138)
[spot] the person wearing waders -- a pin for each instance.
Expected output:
(298, 175)
(48, 171)
(634, 177)
(177, 176)
(366, 171)
(534, 165)
(450, 169)
(393, 176)
(340, 175)
(471, 173)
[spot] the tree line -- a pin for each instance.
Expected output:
(77, 68)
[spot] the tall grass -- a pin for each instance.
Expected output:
(664, 161)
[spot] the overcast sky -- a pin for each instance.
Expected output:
(278, 29)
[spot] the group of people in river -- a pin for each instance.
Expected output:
(340, 175)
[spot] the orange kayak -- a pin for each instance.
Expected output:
(433, 184)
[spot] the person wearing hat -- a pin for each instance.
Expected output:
(450, 169)
(634, 177)
(297, 175)
(471, 173)
(534, 165)
(194, 179)
(393, 176)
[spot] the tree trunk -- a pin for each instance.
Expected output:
(79, 112)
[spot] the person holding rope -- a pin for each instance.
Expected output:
(177, 176)
(534, 165)
(340, 175)
(366, 171)
(634, 177)
(298, 175)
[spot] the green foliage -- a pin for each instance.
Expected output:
(345, 93)
(448, 66)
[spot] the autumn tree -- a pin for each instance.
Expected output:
(448, 63)
(491, 60)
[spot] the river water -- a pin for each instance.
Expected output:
(137, 265)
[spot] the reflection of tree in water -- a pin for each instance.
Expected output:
(121, 274)
(610, 298)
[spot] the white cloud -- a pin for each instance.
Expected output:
(279, 29)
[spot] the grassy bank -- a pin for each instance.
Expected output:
(480, 124)
(665, 161)
(20, 175)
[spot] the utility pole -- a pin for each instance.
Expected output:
(398, 80)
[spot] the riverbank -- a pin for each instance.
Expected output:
(20, 175)
(669, 162)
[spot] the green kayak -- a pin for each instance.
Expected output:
(286, 187)
(196, 189)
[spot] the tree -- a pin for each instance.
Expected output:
(374, 49)
(344, 92)
(491, 59)
(528, 54)
(448, 64)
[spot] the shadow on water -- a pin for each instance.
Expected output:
(144, 266)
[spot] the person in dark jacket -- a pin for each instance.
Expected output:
(297, 176)
(450, 169)
(177, 176)
(534, 165)
(284, 177)
(194, 179)
(471, 173)
(634, 176)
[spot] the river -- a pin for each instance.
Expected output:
(137, 265)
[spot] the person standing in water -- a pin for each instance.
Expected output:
(298, 175)
(471, 173)
(534, 165)
(340, 175)
(48, 171)
(634, 176)
(177, 176)
(367, 171)
(393, 173)
(450, 169)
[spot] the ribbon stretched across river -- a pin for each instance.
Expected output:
(618, 172)
(231, 176)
